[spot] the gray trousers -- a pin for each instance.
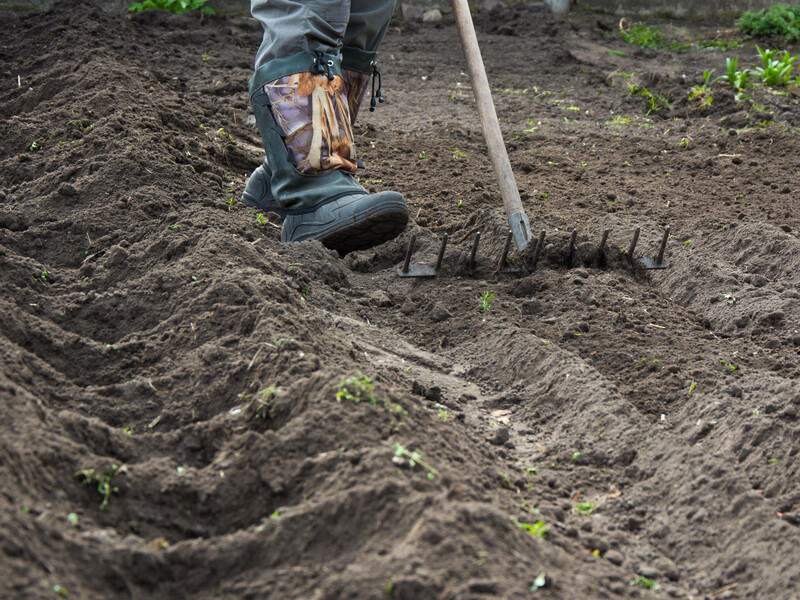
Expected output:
(292, 26)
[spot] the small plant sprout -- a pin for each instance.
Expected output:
(457, 153)
(729, 298)
(260, 218)
(205, 57)
(486, 300)
(102, 481)
(43, 277)
(422, 154)
(275, 516)
(505, 481)
(576, 456)
(35, 146)
(264, 403)
(538, 529)
(539, 582)
(61, 591)
(356, 388)
(403, 456)
(736, 79)
(585, 508)
(645, 582)
(691, 388)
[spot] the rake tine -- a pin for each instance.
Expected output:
(602, 247)
(441, 252)
(660, 258)
(410, 250)
(634, 241)
(572, 245)
(506, 248)
(539, 246)
(471, 263)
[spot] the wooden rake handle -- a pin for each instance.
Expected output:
(517, 219)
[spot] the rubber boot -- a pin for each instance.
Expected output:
(302, 112)
(358, 67)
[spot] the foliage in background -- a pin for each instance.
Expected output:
(643, 35)
(177, 7)
(779, 19)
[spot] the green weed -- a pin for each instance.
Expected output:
(43, 277)
(264, 403)
(779, 19)
(585, 508)
(356, 388)
(486, 300)
(645, 582)
(655, 103)
(643, 35)
(176, 7)
(35, 146)
(61, 591)
(414, 458)
(538, 529)
(539, 582)
(101, 480)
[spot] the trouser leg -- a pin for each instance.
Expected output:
(366, 28)
(367, 24)
(292, 26)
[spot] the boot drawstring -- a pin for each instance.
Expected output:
(377, 96)
(323, 66)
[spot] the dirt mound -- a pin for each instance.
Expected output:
(193, 409)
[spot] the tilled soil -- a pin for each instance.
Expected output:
(185, 405)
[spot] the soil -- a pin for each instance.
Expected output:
(186, 409)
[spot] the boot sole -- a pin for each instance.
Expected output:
(380, 225)
(370, 228)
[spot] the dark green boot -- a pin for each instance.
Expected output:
(302, 112)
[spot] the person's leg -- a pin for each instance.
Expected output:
(301, 108)
(366, 28)
(292, 26)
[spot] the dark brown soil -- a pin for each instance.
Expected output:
(176, 420)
